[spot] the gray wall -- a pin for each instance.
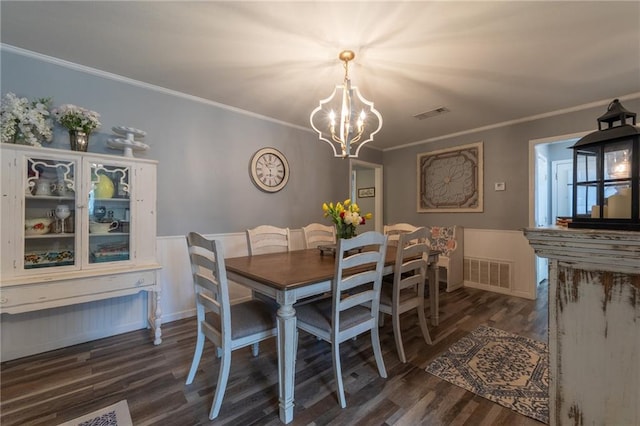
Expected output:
(506, 159)
(204, 153)
(203, 150)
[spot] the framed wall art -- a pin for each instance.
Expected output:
(450, 180)
(366, 192)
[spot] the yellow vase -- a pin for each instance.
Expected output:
(104, 188)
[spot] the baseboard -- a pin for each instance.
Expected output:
(499, 290)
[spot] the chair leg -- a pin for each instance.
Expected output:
(337, 370)
(398, 336)
(381, 320)
(197, 354)
(218, 352)
(223, 376)
(255, 349)
(375, 342)
(422, 319)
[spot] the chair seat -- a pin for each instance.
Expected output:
(247, 318)
(318, 315)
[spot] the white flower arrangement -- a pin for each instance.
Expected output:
(29, 120)
(76, 118)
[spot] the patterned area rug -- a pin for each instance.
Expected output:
(510, 370)
(113, 415)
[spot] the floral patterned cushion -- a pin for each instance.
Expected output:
(443, 239)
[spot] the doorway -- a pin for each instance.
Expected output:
(364, 175)
(550, 177)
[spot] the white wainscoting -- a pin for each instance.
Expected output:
(36, 332)
(509, 247)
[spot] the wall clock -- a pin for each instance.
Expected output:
(269, 169)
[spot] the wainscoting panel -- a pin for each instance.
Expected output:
(35, 332)
(510, 250)
(41, 331)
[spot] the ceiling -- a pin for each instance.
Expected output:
(487, 62)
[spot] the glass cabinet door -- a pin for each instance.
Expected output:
(50, 187)
(109, 212)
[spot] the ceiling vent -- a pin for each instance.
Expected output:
(432, 113)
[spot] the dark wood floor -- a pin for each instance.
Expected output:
(57, 386)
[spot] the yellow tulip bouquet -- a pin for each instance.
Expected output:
(346, 216)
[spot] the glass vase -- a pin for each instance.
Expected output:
(345, 231)
(78, 140)
(19, 138)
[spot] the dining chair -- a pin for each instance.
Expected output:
(345, 316)
(267, 239)
(315, 234)
(407, 291)
(394, 231)
(229, 327)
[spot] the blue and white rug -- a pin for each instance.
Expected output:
(113, 415)
(510, 370)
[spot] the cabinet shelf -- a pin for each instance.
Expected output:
(49, 236)
(49, 197)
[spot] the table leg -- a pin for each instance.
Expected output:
(286, 358)
(434, 293)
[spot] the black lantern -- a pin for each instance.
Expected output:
(606, 169)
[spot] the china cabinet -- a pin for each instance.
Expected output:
(76, 227)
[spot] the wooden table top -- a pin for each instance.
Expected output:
(291, 269)
(286, 270)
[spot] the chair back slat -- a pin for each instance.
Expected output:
(267, 239)
(315, 234)
(393, 231)
(411, 261)
(210, 280)
(364, 286)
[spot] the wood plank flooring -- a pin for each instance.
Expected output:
(51, 388)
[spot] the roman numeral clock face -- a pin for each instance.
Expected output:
(269, 170)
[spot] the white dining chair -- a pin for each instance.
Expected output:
(315, 234)
(407, 292)
(229, 327)
(393, 231)
(267, 239)
(345, 316)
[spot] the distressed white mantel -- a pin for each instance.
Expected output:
(594, 324)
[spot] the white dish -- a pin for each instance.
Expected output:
(37, 226)
(125, 131)
(128, 146)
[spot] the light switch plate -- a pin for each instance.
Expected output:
(499, 186)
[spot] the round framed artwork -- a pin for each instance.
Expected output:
(269, 169)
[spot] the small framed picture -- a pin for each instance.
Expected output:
(366, 192)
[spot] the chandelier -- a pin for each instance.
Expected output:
(346, 120)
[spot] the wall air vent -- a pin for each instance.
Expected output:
(488, 273)
(432, 113)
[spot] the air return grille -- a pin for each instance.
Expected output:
(488, 272)
(432, 113)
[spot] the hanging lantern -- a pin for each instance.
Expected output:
(606, 182)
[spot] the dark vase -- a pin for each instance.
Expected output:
(78, 140)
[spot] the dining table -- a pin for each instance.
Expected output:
(294, 275)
